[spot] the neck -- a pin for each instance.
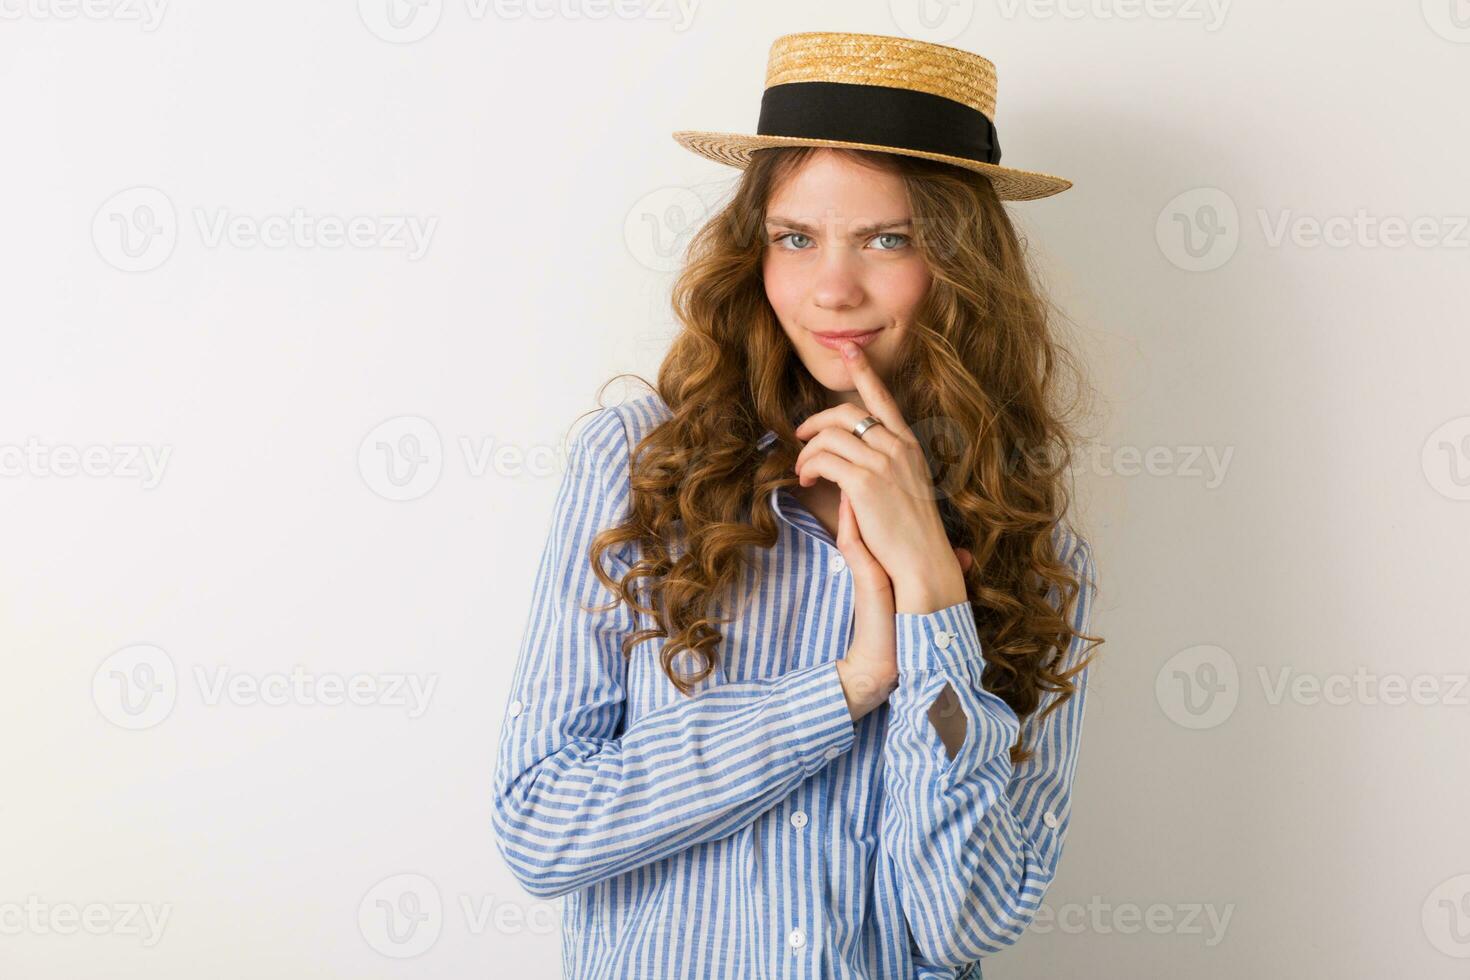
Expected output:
(835, 398)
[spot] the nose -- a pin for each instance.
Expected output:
(838, 282)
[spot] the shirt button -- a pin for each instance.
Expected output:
(831, 754)
(515, 708)
(839, 565)
(1050, 819)
(798, 819)
(942, 640)
(797, 939)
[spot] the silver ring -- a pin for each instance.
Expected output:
(864, 426)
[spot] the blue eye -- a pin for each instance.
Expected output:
(898, 241)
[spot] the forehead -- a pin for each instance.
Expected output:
(831, 189)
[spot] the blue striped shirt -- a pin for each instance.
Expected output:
(754, 830)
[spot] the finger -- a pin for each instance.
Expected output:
(866, 569)
(875, 394)
(844, 444)
(843, 417)
(965, 559)
(845, 474)
(846, 526)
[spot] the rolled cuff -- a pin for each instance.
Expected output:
(932, 641)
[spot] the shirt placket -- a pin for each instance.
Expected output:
(806, 820)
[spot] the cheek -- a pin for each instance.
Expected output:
(784, 290)
(906, 289)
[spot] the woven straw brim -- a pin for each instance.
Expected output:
(734, 149)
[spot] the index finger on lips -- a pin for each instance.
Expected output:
(875, 394)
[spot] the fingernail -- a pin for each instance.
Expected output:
(849, 350)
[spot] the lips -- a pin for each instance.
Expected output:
(835, 341)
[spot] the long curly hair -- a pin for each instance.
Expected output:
(979, 370)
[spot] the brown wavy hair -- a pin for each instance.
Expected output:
(980, 363)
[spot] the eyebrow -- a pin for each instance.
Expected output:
(860, 230)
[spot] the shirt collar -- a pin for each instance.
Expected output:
(787, 507)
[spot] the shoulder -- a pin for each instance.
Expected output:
(606, 436)
(1074, 551)
(643, 414)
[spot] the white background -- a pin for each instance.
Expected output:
(1328, 378)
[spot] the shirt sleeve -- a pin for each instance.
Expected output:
(972, 843)
(579, 796)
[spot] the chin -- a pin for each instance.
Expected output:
(831, 374)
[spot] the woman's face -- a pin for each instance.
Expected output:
(840, 259)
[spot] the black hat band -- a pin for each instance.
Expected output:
(880, 115)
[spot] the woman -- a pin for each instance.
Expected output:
(790, 700)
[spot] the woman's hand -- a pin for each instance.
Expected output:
(885, 478)
(869, 671)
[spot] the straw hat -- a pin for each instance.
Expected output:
(875, 92)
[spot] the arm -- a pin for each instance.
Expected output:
(578, 799)
(973, 842)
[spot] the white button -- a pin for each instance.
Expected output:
(1050, 819)
(942, 640)
(797, 939)
(832, 753)
(798, 820)
(515, 708)
(839, 564)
